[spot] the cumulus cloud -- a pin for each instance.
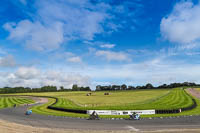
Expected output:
(7, 61)
(35, 35)
(75, 59)
(32, 77)
(107, 45)
(27, 73)
(69, 57)
(115, 56)
(81, 19)
(57, 21)
(182, 24)
(156, 71)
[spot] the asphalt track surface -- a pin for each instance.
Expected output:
(17, 115)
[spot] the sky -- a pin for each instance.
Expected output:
(99, 42)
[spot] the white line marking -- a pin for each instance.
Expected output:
(131, 128)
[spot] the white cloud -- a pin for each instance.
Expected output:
(35, 35)
(27, 73)
(157, 71)
(75, 59)
(182, 24)
(107, 45)
(68, 56)
(115, 56)
(55, 22)
(33, 77)
(7, 61)
(81, 19)
(60, 21)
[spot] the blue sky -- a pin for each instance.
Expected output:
(91, 42)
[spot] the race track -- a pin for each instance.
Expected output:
(16, 115)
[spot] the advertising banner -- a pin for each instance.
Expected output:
(121, 112)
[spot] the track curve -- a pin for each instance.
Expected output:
(17, 115)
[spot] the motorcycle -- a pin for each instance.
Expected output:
(134, 117)
(28, 112)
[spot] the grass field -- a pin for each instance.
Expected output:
(10, 101)
(119, 100)
(99, 100)
(175, 99)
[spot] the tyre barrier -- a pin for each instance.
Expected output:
(168, 111)
(64, 109)
(194, 105)
(68, 110)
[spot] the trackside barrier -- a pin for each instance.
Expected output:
(68, 110)
(64, 109)
(121, 112)
(194, 105)
(167, 111)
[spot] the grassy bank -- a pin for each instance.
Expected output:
(6, 102)
(175, 99)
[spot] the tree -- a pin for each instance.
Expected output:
(131, 87)
(123, 87)
(62, 88)
(149, 86)
(75, 87)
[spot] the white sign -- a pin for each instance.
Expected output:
(121, 112)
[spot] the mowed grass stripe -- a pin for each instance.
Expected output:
(1, 101)
(16, 101)
(123, 106)
(5, 102)
(23, 100)
(184, 100)
(10, 101)
(176, 99)
(42, 109)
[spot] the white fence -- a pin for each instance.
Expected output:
(121, 112)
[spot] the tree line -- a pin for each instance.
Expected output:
(147, 86)
(41, 89)
(98, 88)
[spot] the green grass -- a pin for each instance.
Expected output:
(138, 99)
(10, 101)
(115, 97)
(99, 99)
(116, 100)
(175, 99)
(42, 109)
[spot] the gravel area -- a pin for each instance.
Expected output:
(194, 92)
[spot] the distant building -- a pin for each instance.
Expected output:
(98, 87)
